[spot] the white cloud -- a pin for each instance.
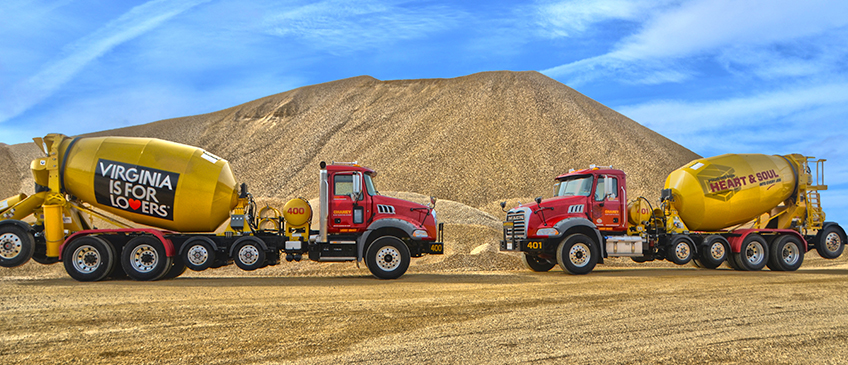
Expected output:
(135, 22)
(564, 18)
(691, 117)
(343, 26)
(706, 27)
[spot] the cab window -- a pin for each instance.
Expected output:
(599, 190)
(343, 185)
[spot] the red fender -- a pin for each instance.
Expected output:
(739, 236)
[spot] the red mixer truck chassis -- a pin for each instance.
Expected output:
(179, 192)
(750, 211)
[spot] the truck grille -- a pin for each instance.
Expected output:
(518, 230)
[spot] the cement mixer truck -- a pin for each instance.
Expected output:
(190, 213)
(750, 211)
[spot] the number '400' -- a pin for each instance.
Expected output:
(296, 211)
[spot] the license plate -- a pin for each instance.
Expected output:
(507, 224)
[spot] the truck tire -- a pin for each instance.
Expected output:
(732, 261)
(713, 252)
(577, 254)
(144, 259)
(89, 258)
(536, 263)
(786, 254)
(681, 250)
(16, 245)
(387, 257)
(753, 254)
(249, 254)
(831, 242)
(177, 269)
(198, 254)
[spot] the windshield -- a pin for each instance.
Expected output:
(575, 186)
(369, 185)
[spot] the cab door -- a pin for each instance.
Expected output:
(347, 203)
(608, 205)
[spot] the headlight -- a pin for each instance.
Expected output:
(419, 233)
(547, 232)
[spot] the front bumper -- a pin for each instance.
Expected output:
(437, 247)
(523, 245)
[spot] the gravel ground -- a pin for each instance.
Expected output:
(612, 316)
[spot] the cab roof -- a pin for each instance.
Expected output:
(591, 171)
(357, 168)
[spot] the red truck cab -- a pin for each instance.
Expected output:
(584, 203)
(357, 223)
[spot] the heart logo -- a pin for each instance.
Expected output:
(135, 204)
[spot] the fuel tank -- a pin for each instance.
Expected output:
(149, 181)
(722, 191)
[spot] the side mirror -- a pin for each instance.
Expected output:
(432, 202)
(538, 200)
(356, 195)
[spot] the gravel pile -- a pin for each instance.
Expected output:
(471, 141)
(9, 177)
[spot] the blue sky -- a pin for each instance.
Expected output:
(716, 76)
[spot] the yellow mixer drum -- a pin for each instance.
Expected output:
(150, 181)
(719, 192)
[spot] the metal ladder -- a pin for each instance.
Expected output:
(815, 214)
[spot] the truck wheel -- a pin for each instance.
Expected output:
(536, 263)
(88, 258)
(577, 254)
(786, 254)
(831, 242)
(732, 261)
(681, 250)
(713, 252)
(198, 254)
(177, 269)
(144, 259)
(16, 246)
(249, 254)
(387, 257)
(753, 254)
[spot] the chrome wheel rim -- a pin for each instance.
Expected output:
(579, 254)
(10, 246)
(388, 258)
(145, 258)
(754, 253)
(789, 253)
(248, 254)
(197, 255)
(717, 251)
(86, 259)
(682, 251)
(832, 241)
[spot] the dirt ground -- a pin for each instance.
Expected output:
(615, 315)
